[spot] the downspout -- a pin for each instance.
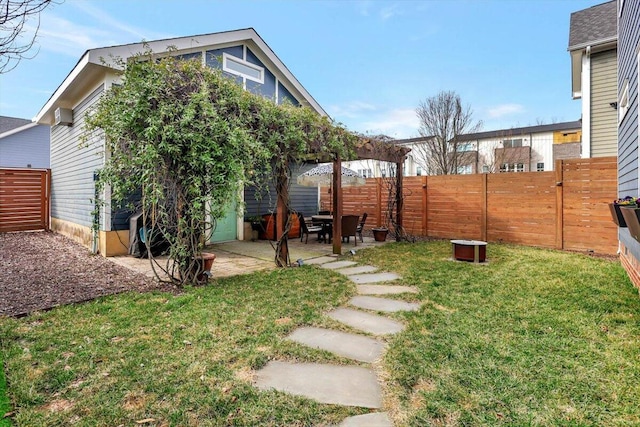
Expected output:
(96, 215)
(586, 104)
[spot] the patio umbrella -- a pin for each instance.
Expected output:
(323, 175)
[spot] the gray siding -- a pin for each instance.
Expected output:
(303, 199)
(604, 122)
(628, 174)
(29, 148)
(73, 166)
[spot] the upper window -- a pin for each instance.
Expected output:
(623, 104)
(242, 68)
(464, 147)
(485, 168)
(540, 167)
(464, 170)
(365, 173)
(512, 143)
(418, 171)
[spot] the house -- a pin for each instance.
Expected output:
(23, 144)
(523, 149)
(628, 150)
(593, 41)
(241, 54)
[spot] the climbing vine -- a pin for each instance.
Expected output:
(187, 138)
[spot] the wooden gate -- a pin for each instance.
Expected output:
(24, 199)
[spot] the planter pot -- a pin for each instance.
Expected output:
(632, 219)
(204, 266)
(380, 234)
(616, 214)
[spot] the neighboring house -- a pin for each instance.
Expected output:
(524, 149)
(593, 40)
(23, 144)
(241, 54)
(628, 139)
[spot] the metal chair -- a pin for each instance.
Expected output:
(361, 226)
(308, 228)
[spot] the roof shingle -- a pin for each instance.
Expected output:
(597, 23)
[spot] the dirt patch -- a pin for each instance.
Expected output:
(41, 270)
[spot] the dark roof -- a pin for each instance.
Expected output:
(595, 24)
(521, 131)
(410, 140)
(9, 123)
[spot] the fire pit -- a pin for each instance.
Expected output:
(469, 250)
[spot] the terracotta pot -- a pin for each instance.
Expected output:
(207, 259)
(380, 234)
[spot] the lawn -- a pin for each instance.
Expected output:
(535, 337)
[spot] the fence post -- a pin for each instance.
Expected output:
(559, 171)
(425, 206)
(379, 202)
(483, 213)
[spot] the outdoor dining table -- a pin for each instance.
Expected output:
(327, 223)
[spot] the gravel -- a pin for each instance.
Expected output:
(42, 270)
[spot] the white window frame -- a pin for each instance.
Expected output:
(540, 166)
(226, 58)
(623, 102)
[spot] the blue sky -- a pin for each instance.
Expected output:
(368, 63)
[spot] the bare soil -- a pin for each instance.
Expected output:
(42, 270)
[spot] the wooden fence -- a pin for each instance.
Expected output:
(564, 209)
(24, 199)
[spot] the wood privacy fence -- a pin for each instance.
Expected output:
(563, 209)
(24, 199)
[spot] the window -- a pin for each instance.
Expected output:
(485, 168)
(464, 147)
(623, 103)
(504, 167)
(540, 167)
(365, 173)
(464, 170)
(245, 69)
(512, 167)
(512, 143)
(418, 171)
(520, 167)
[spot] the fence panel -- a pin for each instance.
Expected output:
(24, 199)
(454, 206)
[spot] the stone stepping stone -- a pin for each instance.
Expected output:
(357, 270)
(339, 385)
(383, 304)
(319, 260)
(352, 346)
(377, 419)
(374, 277)
(371, 323)
(385, 289)
(338, 264)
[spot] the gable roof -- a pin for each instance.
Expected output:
(10, 123)
(521, 131)
(94, 64)
(595, 25)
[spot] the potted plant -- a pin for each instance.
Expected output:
(616, 213)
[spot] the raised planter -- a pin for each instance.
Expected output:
(632, 219)
(469, 250)
(616, 214)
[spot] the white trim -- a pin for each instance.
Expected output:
(620, 7)
(226, 58)
(585, 149)
(623, 101)
(19, 129)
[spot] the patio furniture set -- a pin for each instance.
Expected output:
(322, 225)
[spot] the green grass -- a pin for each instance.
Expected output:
(4, 399)
(535, 337)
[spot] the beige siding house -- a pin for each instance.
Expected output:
(593, 39)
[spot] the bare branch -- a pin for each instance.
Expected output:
(16, 37)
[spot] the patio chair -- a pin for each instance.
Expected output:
(349, 227)
(361, 226)
(308, 228)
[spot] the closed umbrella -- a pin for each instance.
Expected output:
(323, 175)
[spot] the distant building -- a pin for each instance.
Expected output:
(593, 41)
(23, 144)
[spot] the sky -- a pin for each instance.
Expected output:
(369, 64)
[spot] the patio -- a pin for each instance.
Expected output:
(244, 256)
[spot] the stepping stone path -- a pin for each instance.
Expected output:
(340, 384)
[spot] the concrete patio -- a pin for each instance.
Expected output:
(245, 256)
